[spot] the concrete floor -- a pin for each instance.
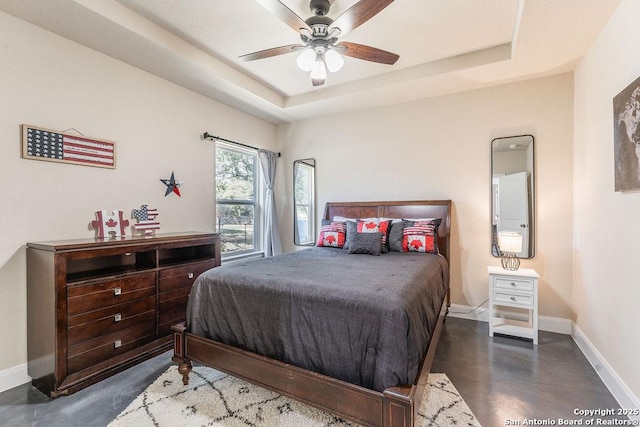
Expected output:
(504, 381)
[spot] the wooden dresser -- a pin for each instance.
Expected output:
(96, 307)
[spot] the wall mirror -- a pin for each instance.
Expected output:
(304, 202)
(512, 192)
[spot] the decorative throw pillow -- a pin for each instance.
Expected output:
(375, 225)
(366, 243)
(352, 229)
(420, 236)
(332, 235)
(395, 236)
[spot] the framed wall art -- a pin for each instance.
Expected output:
(50, 145)
(626, 137)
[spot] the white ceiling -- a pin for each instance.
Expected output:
(445, 46)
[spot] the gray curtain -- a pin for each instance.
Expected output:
(271, 232)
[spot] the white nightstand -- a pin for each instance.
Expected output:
(518, 289)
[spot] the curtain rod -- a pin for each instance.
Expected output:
(210, 137)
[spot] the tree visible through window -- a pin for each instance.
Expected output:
(237, 199)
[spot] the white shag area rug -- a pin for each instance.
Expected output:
(213, 398)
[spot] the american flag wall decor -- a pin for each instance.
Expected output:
(46, 144)
(146, 217)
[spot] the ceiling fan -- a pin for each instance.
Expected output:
(320, 50)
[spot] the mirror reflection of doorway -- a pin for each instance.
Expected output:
(513, 208)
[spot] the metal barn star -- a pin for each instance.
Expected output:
(173, 186)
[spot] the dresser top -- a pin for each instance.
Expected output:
(521, 272)
(60, 245)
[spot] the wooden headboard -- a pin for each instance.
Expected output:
(399, 209)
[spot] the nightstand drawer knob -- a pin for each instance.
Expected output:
(117, 344)
(513, 283)
(190, 275)
(117, 317)
(513, 299)
(117, 291)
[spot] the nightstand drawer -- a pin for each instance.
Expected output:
(513, 299)
(514, 283)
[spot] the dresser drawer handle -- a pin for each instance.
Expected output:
(117, 344)
(117, 318)
(127, 253)
(190, 275)
(117, 291)
(513, 283)
(513, 299)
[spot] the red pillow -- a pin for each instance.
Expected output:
(332, 235)
(420, 236)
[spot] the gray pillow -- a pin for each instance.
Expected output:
(366, 243)
(395, 236)
(352, 229)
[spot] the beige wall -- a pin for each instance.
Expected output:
(606, 278)
(440, 149)
(51, 82)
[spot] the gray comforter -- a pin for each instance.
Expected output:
(363, 319)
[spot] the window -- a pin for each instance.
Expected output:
(304, 198)
(237, 207)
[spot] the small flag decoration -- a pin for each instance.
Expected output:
(146, 220)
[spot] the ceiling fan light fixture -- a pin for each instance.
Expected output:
(333, 60)
(319, 71)
(319, 34)
(306, 59)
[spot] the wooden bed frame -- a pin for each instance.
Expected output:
(394, 407)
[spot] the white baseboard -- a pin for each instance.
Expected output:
(625, 397)
(545, 323)
(13, 377)
(555, 324)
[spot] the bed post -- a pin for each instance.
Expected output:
(398, 406)
(184, 364)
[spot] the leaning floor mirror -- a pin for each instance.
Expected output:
(512, 193)
(304, 205)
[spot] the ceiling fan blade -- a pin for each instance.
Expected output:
(274, 51)
(285, 14)
(367, 53)
(358, 14)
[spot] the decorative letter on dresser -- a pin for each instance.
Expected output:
(516, 289)
(96, 307)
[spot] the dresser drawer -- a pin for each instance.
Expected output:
(97, 295)
(113, 318)
(513, 299)
(182, 277)
(167, 320)
(174, 300)
(519, 284)
(104, 347)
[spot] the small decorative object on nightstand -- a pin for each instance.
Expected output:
(516, 289)
(510, 244)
